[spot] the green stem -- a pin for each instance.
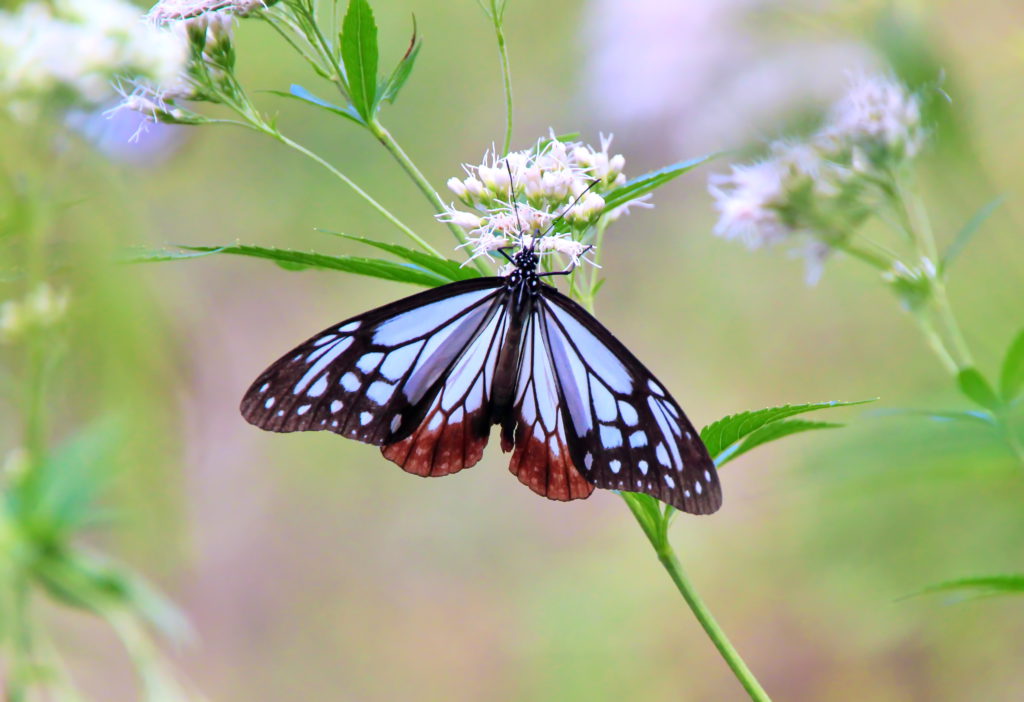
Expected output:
(506, 74)
(21, 673)
(658, 536)
(936, 343)
(350, 183)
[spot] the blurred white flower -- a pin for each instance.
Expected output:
(747, 201)
(66, 54)
(877, 112)
(40, 309)
(827, 185)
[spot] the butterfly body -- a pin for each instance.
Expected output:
(427, 376)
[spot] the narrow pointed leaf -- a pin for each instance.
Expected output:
(979, 586)
(297, 92)
(974, 386)
(359, 54)
(402, 71)
(1011, 380)
(298, 260)
(967, 233)
(641, 185)
(772, 432)
(450, 270)
(720, 435)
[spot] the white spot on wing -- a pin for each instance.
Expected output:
(604, 403)
(395, 423)
(670, 482)
(611, 437)
(302, 410)
(350, 381)
(351, 326)
(269, 403)
(698, 488)
(588, 461)
(662, 454)
(264, 387)
(642, 465)
(655, 388)
(370, 361)
(380, 392)
(637, 439)
(365, 418)
(707, 476)
(325, 339)
(398, 361)
(317, 388)
(435, 421)
(615, 466)
(336, 405)
(628, 413)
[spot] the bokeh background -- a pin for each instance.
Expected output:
(312, 568)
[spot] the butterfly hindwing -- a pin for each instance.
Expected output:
(624, 431)
(454, 430)
(541, 459)
(374, 377)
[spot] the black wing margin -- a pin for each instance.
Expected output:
(623, 429)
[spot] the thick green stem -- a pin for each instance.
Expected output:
(22, 669)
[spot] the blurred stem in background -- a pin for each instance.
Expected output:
(823, 189)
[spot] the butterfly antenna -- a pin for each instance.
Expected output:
(568, 209)
(512, 196)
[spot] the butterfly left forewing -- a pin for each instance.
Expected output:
(373, 377)
(624, 431)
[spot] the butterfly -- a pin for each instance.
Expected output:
(426, 377)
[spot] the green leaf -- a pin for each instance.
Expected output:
(968, 416)
(719, 436)
(450, 270)
(976, 388)
(979, 586)
(297, 92)
(641, 185)
(89, 582)
(772, 432)
(1011, 380)
(298, 260)
(967, 233)
(390, 88)
(359, 54)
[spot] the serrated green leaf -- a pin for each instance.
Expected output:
(974, 386)
(394, 83)
(1011, 380)
(450, 270)
(720, 435)
(297, 92)
(296, 260)
(641, 185)
(772, 432)
(967, 232)
(359, 54)
(979, 586)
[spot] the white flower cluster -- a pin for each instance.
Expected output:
(822, 186)
(67, 53)
(41, 308)
(175, 10)
(520, 199)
